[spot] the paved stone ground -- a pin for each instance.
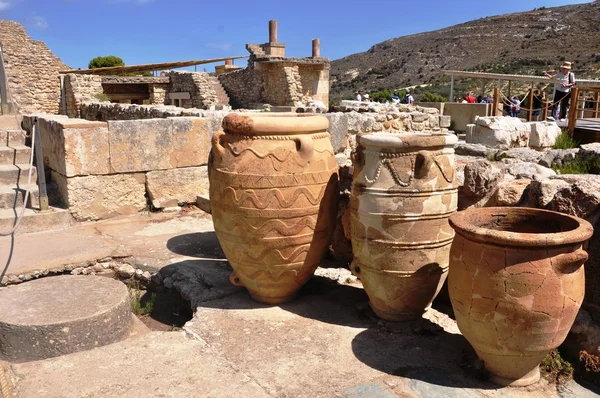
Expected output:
(325, 343)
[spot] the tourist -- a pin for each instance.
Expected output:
(539, 100)
(395, 98)
(515, 107)
(470, 98)
(408, 98)
(366, 98)
(359, 96)
(562, 95)
(464, 101)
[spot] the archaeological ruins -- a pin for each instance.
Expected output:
(380, 248)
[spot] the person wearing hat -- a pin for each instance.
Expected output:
(562, 95)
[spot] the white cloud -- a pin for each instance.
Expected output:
(39, 22)
(4, 5)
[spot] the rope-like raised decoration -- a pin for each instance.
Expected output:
(388, 165)
(391, 155)
(275, 137)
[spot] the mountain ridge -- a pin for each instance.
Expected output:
(524, 43)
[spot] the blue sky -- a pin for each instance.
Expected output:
(151, 31)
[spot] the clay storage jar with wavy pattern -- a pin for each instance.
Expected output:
(516, 283)
(273, 195)
(403, 192)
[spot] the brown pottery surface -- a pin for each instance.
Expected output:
(516, 283)
(273, 189)
(404, 190)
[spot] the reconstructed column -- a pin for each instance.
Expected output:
(316, 48)
(273, 31)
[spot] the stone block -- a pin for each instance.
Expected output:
(445, 121)
(499, 132)
(338, 128)
(101, 197)
(168, 188)
(74, 147)
(140, 145)
(418, 117)
(543, 134)
(191, 141)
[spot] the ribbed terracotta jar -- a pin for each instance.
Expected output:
(403, 192)
(273, 192)
(516, 283)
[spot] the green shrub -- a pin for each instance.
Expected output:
(431, 97)
(135, 296)
(578, 166)
(102, 97)
(565, 141)
(555, 368)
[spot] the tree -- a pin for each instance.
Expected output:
(105, 62)
(112, 60)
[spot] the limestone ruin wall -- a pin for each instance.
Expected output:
(31, 70)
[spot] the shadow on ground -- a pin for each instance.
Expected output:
(199, 244)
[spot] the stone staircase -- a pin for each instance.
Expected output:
(222, 97)
(14, 172)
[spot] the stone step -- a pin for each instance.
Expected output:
(14, 154)
(13, 175)
(35, 220)
(12, 197)
(12, 137)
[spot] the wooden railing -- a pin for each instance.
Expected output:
(581, 97)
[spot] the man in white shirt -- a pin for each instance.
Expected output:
(562, 95)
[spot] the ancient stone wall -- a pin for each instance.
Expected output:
(31, 70)
(244, 87)
(278, 81)
(158, 94)
(104, 169)
(201, 90)
(80, 89)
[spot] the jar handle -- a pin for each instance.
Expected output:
(235, 279)
(423, 164)
(216, 143)
(568, 263)
(304, 145)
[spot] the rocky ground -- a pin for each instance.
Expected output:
(327, 342)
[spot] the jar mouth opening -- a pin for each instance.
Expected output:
(406, 140)
(521, 226)
(275, 123)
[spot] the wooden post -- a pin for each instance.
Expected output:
(596, 97)
(530, 104)
(451, 99)
(496, 101)
(573, 111)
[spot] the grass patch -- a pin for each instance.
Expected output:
(578, 166)
(556, 369)
(102, 97)
(564, 141)
(135, 295)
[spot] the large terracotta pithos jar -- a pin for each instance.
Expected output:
(273, 191)
(516, 283)
(403, 192)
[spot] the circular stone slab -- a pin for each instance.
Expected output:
(59, 315)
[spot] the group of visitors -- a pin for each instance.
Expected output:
(471, 99)
(406, 99)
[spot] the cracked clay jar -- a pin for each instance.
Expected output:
(516, 283)
(273, 191)
(403, 191)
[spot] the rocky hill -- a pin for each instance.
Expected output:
(524, 43)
